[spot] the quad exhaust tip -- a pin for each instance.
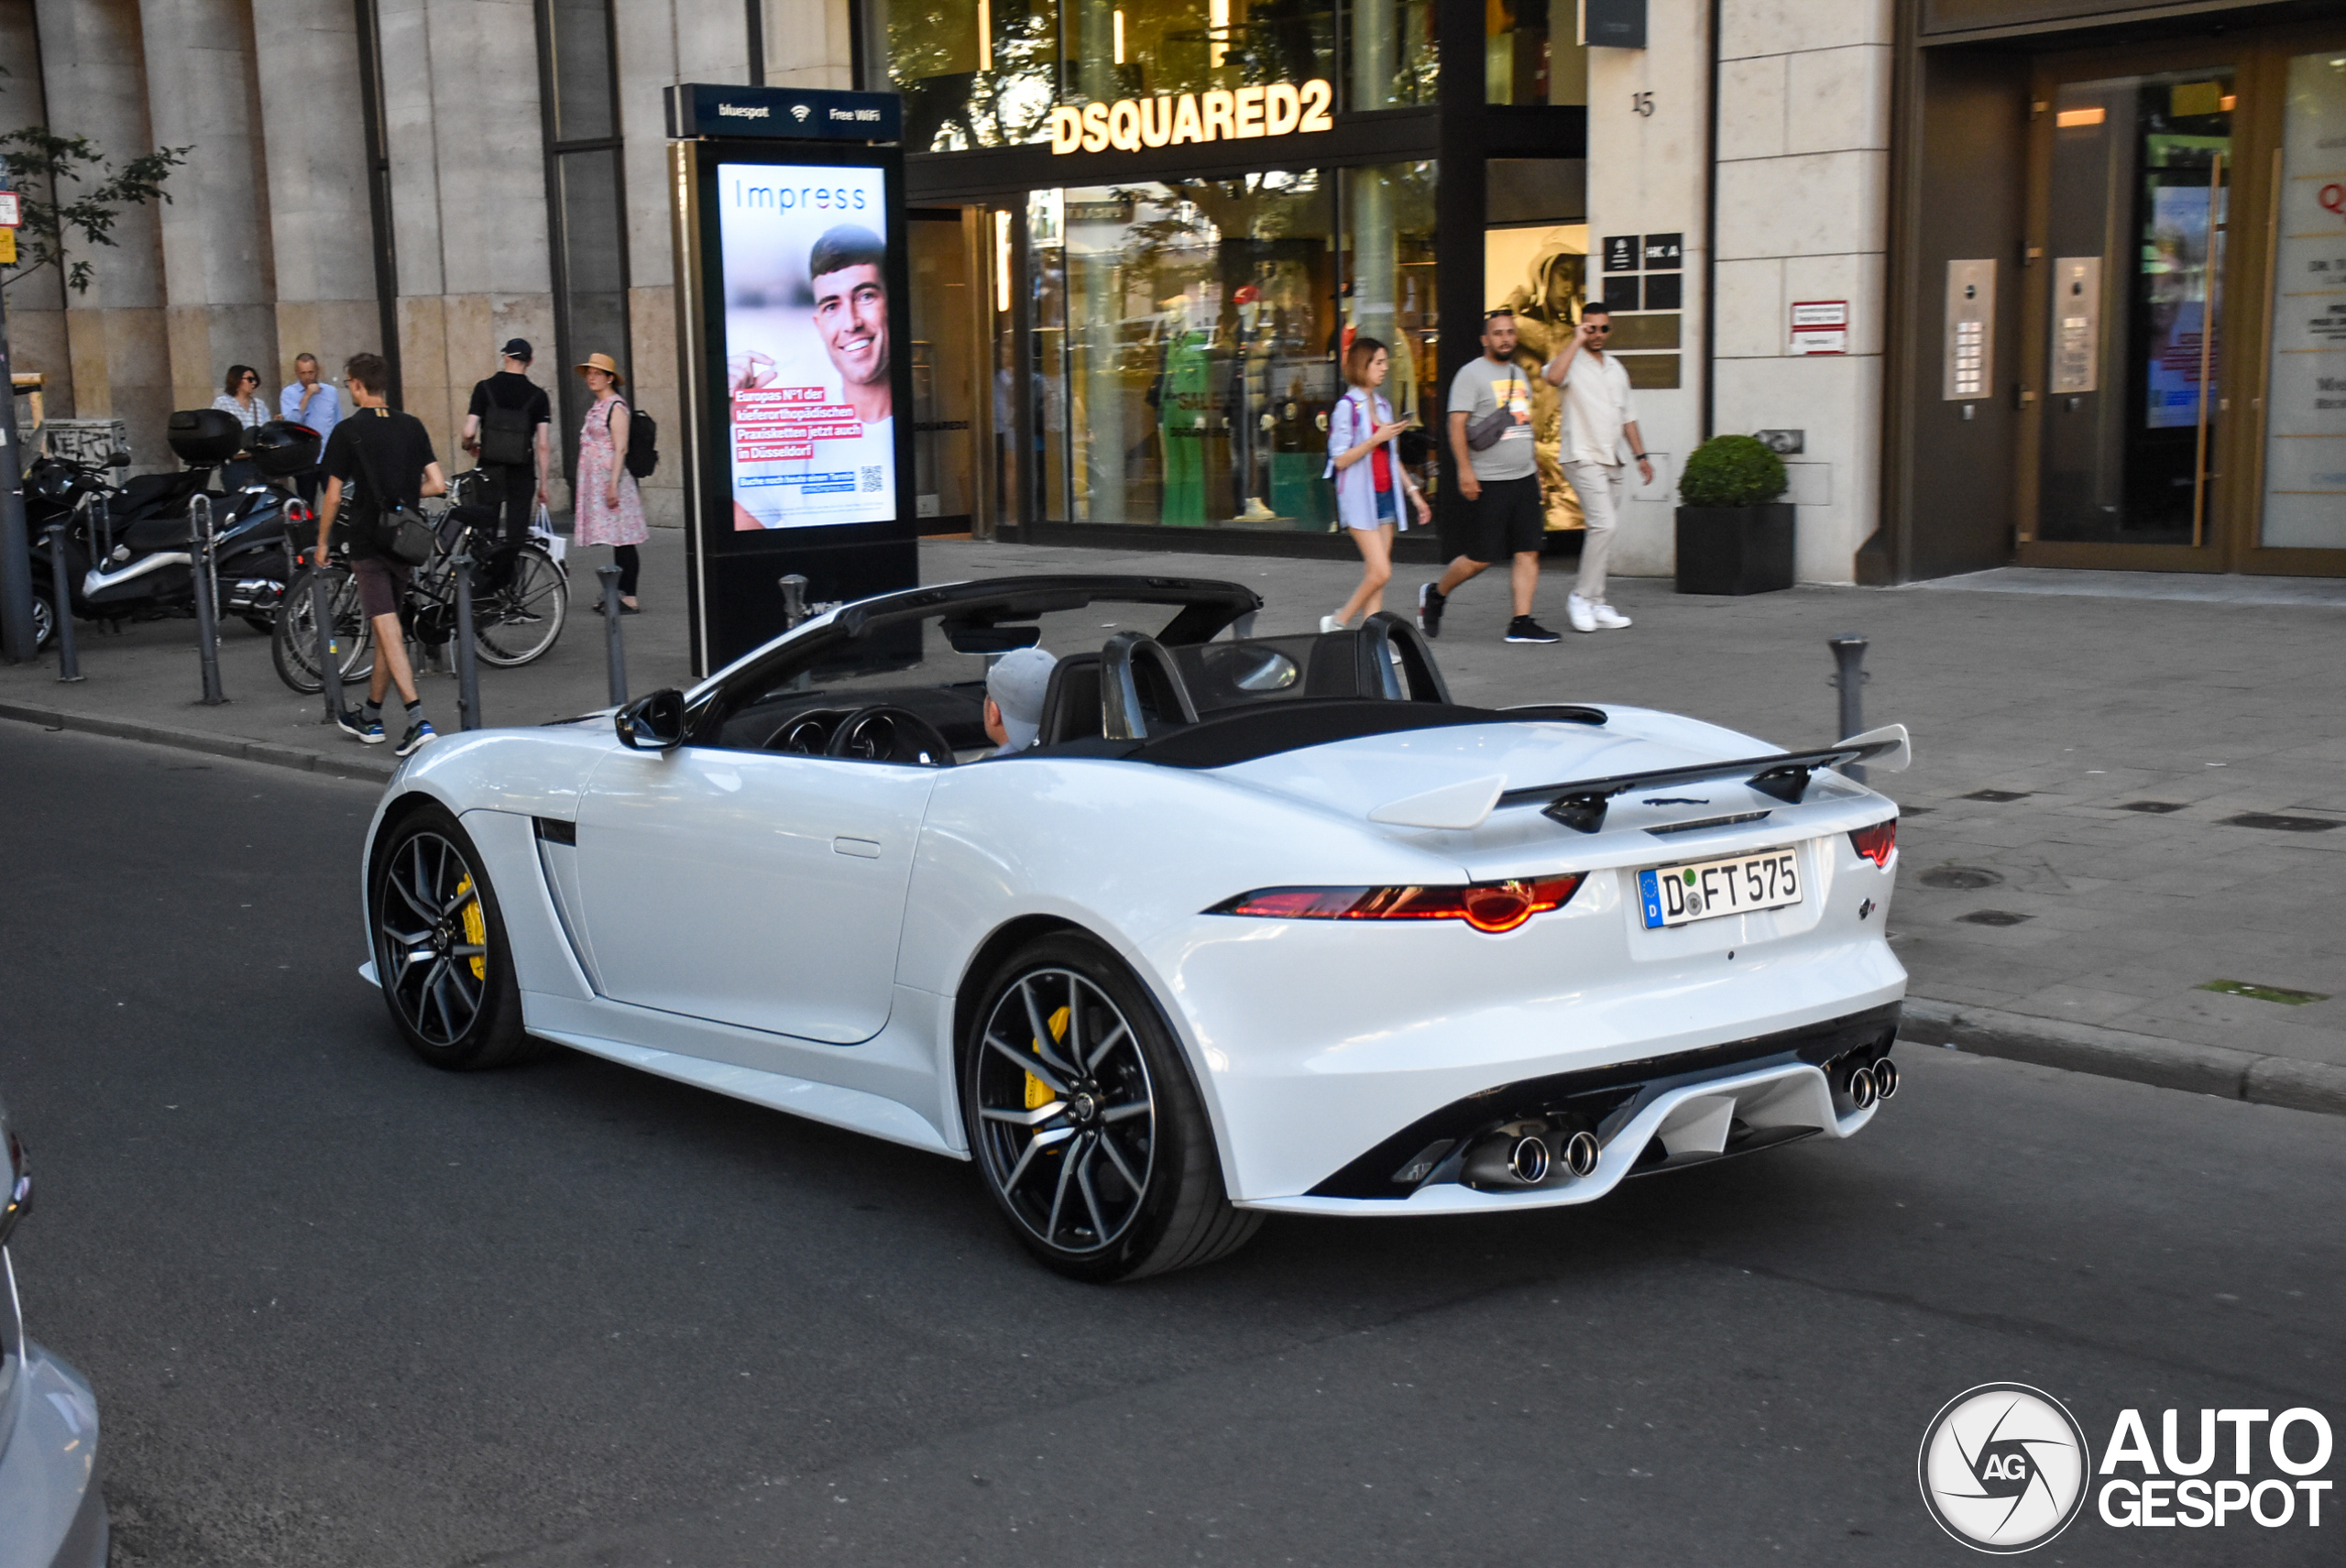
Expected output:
(1580, 1153)
(1862, 1088)
(1528, 1161)
(1885, 1078)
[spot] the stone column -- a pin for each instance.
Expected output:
(321, 233)
(218, 272)
(93, 79)
(36, 301)
(468, 199)
(1645, 175)
(811, 45)
(1803, 214)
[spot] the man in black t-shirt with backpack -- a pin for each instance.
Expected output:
(378, 460)
(506, 431)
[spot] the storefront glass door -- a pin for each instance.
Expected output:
(2184, 308)
(2135, 229)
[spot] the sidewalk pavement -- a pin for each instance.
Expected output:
(2123, 837)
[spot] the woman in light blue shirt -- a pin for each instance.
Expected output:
(1364, 459)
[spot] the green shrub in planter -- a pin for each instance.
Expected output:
(1731, 471)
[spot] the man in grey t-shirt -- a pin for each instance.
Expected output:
(1492, 398)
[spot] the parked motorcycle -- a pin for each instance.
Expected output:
(129, 551)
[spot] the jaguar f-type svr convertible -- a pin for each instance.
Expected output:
(1255, 924)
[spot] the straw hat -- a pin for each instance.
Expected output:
(605, 364)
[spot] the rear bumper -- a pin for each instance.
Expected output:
(1658, 1115)
(51, 1500)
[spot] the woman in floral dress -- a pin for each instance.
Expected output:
(607, 508)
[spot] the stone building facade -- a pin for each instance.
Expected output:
(452, 222)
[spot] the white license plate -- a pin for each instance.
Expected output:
(1741, 884)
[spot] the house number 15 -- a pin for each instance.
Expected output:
(1642, 102)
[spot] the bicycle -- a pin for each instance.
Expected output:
(513, 623)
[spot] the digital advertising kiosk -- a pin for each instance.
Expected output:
(796, 351)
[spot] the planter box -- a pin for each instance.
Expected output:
(1735, 550)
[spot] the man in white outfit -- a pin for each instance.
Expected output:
(1599, 415)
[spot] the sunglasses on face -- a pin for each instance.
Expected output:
(1595, 326)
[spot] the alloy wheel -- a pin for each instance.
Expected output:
(1067, 1115)
(432, 939)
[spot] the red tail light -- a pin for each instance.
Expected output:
(1876, 842)
(1489, 906)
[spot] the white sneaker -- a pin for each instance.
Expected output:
(1607, 617)
(1329, 623)
(1581, 615)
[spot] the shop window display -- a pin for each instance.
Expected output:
(1190, 332)
(1530, 55)
(1541, 272)
(1197, 319)
(978, 73)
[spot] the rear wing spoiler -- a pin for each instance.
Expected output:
(1581, 805)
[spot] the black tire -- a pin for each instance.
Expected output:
(446, 977)
(293, 636)
(1122, 1179)
(521, 622)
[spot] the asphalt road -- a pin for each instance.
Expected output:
(342, 1309)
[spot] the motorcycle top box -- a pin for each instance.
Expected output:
(206, 435)
(282, 449)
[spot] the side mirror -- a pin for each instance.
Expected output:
(654, 723)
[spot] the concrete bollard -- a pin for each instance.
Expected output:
(614, 643)
(60, 587)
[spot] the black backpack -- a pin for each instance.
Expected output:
(507, 435)
(643, 440)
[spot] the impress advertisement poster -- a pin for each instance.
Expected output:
(810, 417)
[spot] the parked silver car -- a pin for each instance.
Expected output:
(52, 1513)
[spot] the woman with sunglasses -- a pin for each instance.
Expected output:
(240, 395)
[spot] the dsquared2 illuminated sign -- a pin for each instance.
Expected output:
(1278, 109)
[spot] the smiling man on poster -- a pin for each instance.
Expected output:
(813, 436)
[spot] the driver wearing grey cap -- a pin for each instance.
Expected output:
(1014, 691)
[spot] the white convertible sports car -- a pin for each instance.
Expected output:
(1256, 923)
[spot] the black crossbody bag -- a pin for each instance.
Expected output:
(400, 532)
(1483, 433)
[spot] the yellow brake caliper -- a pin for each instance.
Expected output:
(1038, 1094)
(477, 931)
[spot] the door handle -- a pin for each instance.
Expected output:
(862, 849)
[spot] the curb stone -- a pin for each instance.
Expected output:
(2221, 1070)
(196, 741)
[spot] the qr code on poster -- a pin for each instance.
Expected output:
(871, 481)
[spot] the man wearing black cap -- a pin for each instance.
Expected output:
(507, 431)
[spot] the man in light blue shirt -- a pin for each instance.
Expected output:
(308, 400)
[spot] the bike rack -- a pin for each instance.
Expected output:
(329, 649)
(207, 602)
(61, 588)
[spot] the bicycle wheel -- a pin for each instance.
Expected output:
(520, 621)
(293, 640)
